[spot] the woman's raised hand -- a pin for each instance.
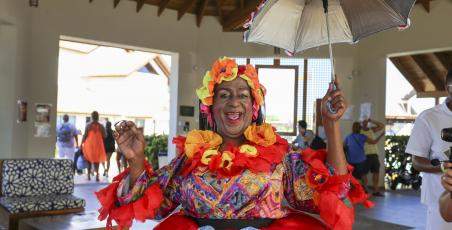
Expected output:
(337, 101)
(131, 143)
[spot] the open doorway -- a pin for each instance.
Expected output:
(119, 82)
(414, 82)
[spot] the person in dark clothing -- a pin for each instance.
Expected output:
(109, 143)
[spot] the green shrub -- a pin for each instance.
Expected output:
(155, 144)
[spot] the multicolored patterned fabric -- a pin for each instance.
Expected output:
(298, 181)
(245, 196)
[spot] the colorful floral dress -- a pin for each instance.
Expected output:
(258, 179)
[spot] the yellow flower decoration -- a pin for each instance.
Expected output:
(226, 69)
(207, 156)
(198, 139)
(263, 135)
(249, 150)
(226, 159)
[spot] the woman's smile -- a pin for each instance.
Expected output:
(233, 117)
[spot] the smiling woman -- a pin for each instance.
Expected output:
(238, 172)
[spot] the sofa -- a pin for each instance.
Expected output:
(36, 187)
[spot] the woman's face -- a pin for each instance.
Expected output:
(232, 108)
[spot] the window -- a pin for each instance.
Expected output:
(139, 122)
(281, 98)
(303, 81)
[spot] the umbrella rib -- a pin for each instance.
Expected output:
(392, 10)
(298, 30)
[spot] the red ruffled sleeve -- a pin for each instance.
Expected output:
(143, 208)
(311, 185)
(334, 194)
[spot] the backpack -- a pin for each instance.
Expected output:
(64, 133)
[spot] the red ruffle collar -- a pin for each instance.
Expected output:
(263, 149)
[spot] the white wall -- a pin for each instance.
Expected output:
(197, 49)
(14, 70)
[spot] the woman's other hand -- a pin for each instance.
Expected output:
(337, 101)
(131, 143)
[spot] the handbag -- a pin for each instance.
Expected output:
(81, 163)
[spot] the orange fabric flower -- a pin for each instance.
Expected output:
(224, 69)
(250, 71)
(201, 139)
(263, 135)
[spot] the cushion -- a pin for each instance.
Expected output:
(41, 203)
(36, 177)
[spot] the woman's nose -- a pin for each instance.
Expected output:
(234, 101)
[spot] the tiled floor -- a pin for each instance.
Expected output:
(397, 210)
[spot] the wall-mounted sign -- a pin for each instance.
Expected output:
(21, 111)
(187, 111)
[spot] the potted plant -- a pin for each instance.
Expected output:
(155, 145)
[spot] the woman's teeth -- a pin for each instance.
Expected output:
(233, 116)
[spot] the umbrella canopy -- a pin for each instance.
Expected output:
(298, 25)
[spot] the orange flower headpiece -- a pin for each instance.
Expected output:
(226, 69)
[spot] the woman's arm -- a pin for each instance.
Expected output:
(336, 156)
(375, 141)
(380, 126)
(85, 134)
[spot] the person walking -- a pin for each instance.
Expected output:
(93, 144)
(67, 138)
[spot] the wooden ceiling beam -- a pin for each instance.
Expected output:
(200, 12)
(401, 64)
(425, 4)
(432, 94)
(236, 18)
(220, 12)
(188, 4)
(115, 3)
(163, 66)
(140, 4)
(427, 64)
(162, 6)
(445, 58)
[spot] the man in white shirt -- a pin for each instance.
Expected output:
(425, 144)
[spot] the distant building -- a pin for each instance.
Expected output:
(120, 84)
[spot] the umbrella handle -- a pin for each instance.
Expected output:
(325, 8)
(328, 104)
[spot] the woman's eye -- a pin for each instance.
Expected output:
(224, 95)
(244, 96)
